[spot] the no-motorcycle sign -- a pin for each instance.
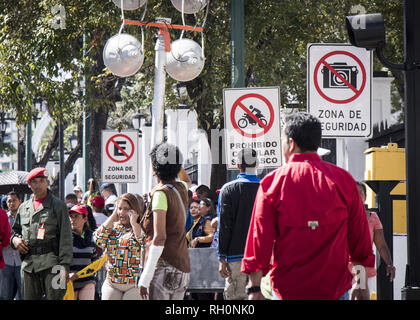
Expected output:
(252, 120)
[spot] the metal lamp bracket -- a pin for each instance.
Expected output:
(163, 29)
(399, 66)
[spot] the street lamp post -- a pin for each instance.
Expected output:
(61, 157)
(73, 141)
(136, 121)
(3, 123)
(159, 90)
(28, 147)
(28, 132)
(123, 56)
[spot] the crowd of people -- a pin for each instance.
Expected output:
(299, 233)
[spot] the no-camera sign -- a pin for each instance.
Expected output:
(339, 87)
(119, 156)
(252, 120)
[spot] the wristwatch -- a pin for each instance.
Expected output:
(253, 289)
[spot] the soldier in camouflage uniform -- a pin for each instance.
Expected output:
(42, 234)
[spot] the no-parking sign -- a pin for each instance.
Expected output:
(119, 156)
(339, 88)
(252, 120)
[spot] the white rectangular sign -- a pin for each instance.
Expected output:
(339, 85)
(120, 156)
(252, 120)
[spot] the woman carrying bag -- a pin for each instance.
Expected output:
(166, 273)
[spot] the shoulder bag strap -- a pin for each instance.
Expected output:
(180, 199)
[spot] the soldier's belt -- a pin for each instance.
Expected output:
(43, 248)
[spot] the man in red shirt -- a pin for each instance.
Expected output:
(308, 219)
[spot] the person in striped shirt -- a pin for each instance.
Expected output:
(83, 252)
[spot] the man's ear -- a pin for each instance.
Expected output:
(291, 145)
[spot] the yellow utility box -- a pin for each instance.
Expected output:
(388, 163)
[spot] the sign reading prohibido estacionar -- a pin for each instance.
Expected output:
(339, 85)
(252, 120)
(119, 156)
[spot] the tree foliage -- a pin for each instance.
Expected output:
(64, 66)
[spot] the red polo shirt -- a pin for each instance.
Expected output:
(309, 216)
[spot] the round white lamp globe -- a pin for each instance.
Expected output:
(190, 6)
(123, 55)
(185, 61)
(130, 4)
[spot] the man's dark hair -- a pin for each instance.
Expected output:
(166, 161)
(14, 193)
(202, 188)
(305, 130)
(71, 197)
(247, 158)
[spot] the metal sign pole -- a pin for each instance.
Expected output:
(238, 54)
(412, 136)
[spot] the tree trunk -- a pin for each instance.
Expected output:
(99, 120)
(52, 145)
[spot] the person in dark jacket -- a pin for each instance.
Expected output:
(236, 201)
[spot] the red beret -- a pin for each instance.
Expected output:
(98, 202)
(37, 172)
(80, 209)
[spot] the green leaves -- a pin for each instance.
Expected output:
(34, 53)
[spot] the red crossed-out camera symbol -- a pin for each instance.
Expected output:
(341, 76)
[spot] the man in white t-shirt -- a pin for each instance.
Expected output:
(98, 204)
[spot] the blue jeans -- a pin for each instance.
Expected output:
(10, 283)
(345, 296)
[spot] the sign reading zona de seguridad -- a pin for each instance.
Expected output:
(120, 156)
(339, 89)
(252, 120)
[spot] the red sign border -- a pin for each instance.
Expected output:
(110, 140)
(236, 104)
(360, 91)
